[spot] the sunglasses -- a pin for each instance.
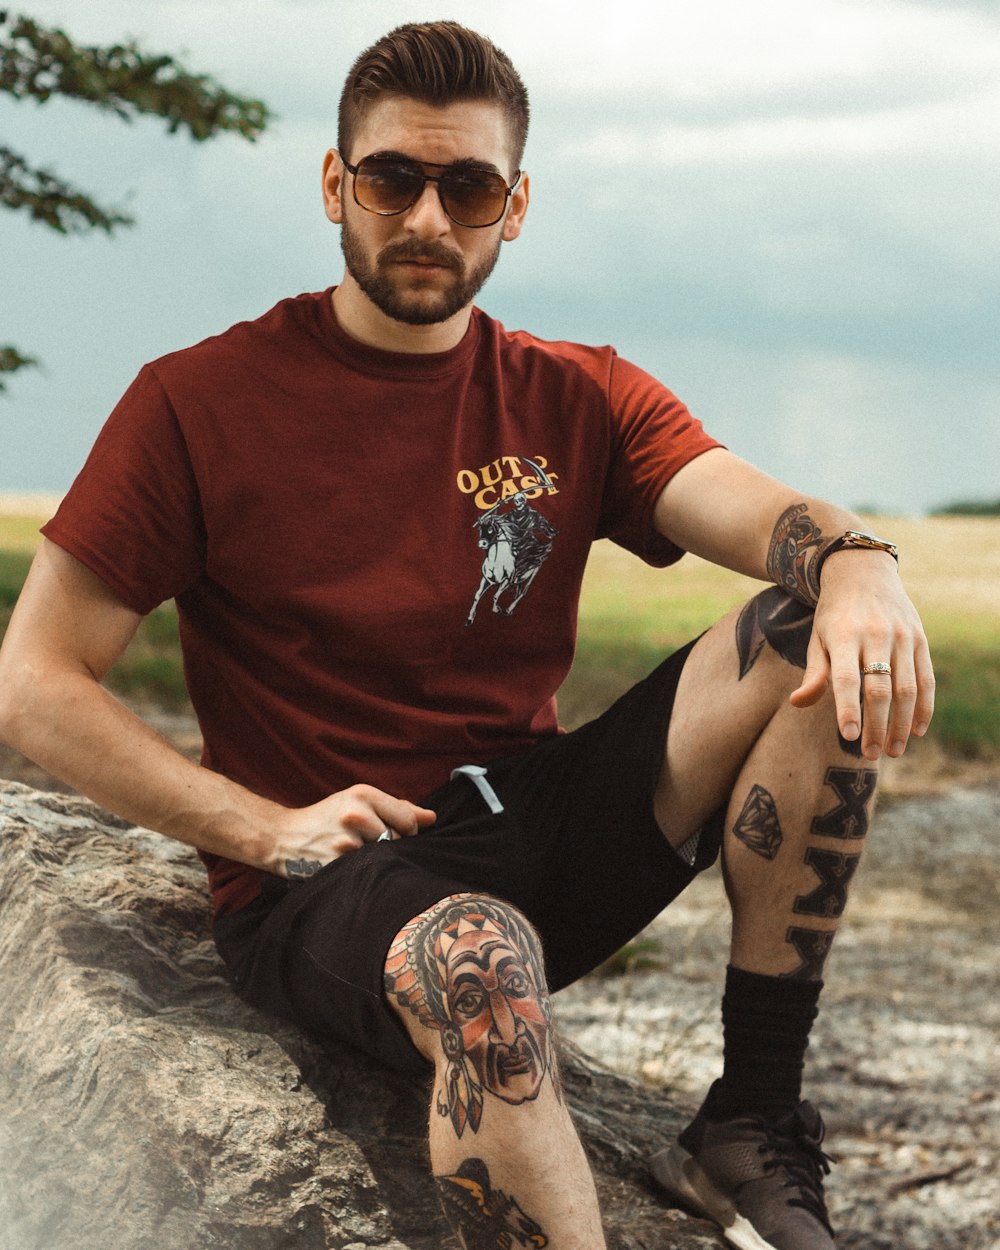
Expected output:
(389, 185)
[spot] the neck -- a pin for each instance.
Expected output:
(362, 320)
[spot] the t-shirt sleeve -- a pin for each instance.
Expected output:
(654, 435)
(133, 515)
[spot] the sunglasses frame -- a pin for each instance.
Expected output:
(418, 168)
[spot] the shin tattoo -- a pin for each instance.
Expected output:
(471, 968)
(483, 1217)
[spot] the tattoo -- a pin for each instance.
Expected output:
(812, 948)
(775, 618)
(835, 872)
(791, 555)
(483, 1217)
(472, 969)
(301, 869)
(757, 825)
(849, 819)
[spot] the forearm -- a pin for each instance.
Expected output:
(76, 730)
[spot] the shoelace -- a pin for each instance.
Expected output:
(791, 1149)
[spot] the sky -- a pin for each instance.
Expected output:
(788, 211)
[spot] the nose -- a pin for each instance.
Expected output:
(427, 218)
(504, 1024)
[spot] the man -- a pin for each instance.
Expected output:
(404, 851)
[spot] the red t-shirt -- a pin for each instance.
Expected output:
(325, 514)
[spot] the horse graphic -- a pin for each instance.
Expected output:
(517, 543)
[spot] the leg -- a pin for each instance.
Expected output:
(466, 979)
(799, 797)
(798, 805)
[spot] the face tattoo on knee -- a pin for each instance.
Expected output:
(471, 969)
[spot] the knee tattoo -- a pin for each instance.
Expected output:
(470, 968)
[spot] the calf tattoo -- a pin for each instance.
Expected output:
(757, 825)
(849, 819)
(483, 1217)
(812, 947)
(472, 969)
(835, 872)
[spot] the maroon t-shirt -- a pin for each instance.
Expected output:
(326, 515)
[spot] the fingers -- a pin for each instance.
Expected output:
(816, 678)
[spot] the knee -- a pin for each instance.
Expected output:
(773, 618)
(466, 978)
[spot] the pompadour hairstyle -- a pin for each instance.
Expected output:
(437, 63)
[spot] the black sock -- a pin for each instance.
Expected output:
(766, 1023)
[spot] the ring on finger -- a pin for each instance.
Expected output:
(878, 666)
(385, 835)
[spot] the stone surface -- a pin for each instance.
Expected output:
(143, 1105)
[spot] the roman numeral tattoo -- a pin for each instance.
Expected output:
(757, 825)
(812, 948)
(483, 1217)
(849, 819)
(835, 872)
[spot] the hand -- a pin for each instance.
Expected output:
(864, 616)
(306, 838)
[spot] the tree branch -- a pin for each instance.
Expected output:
(38, 63)
(50, 200)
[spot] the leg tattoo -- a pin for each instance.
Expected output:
(775, 618)
(849, 819)
(835, 872)
(472, 969)
(483, 1217)
(757, 825)
(812, 948)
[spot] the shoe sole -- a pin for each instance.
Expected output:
(683, 1177)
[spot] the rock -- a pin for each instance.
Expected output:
(144, 1105)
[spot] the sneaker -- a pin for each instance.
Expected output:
(761, 1181)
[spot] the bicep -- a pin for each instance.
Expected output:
(67, 618)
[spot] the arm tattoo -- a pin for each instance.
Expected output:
(483, 1217)
(757, 825)
(791, 557)
(471, 968)
(301, 869)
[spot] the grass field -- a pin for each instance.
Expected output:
(631, 616)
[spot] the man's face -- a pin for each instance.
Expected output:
(494, 1003)
(419, 267)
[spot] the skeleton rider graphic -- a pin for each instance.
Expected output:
(517, 540)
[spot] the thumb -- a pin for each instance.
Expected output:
(816, 678)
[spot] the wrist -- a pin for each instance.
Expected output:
(854, 541)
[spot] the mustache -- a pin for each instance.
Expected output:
(436, 253)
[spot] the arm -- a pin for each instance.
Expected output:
(723, 509)
(67, 630)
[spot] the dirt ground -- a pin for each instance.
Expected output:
(904, 1061)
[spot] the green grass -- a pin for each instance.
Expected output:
(633, 617)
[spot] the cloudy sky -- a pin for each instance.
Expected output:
(785, 209)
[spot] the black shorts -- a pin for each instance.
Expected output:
(577, 849)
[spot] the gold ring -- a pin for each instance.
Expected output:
(879, 666)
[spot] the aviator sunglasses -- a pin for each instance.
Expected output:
(389, 185)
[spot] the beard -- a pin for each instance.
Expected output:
(412, 306)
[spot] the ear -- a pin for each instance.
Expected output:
(518, 207)
(333, 184)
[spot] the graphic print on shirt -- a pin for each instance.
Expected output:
(515, 537)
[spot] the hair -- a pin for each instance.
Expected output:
(437, 63)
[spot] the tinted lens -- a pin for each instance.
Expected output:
(473, 197)
(386, 187)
